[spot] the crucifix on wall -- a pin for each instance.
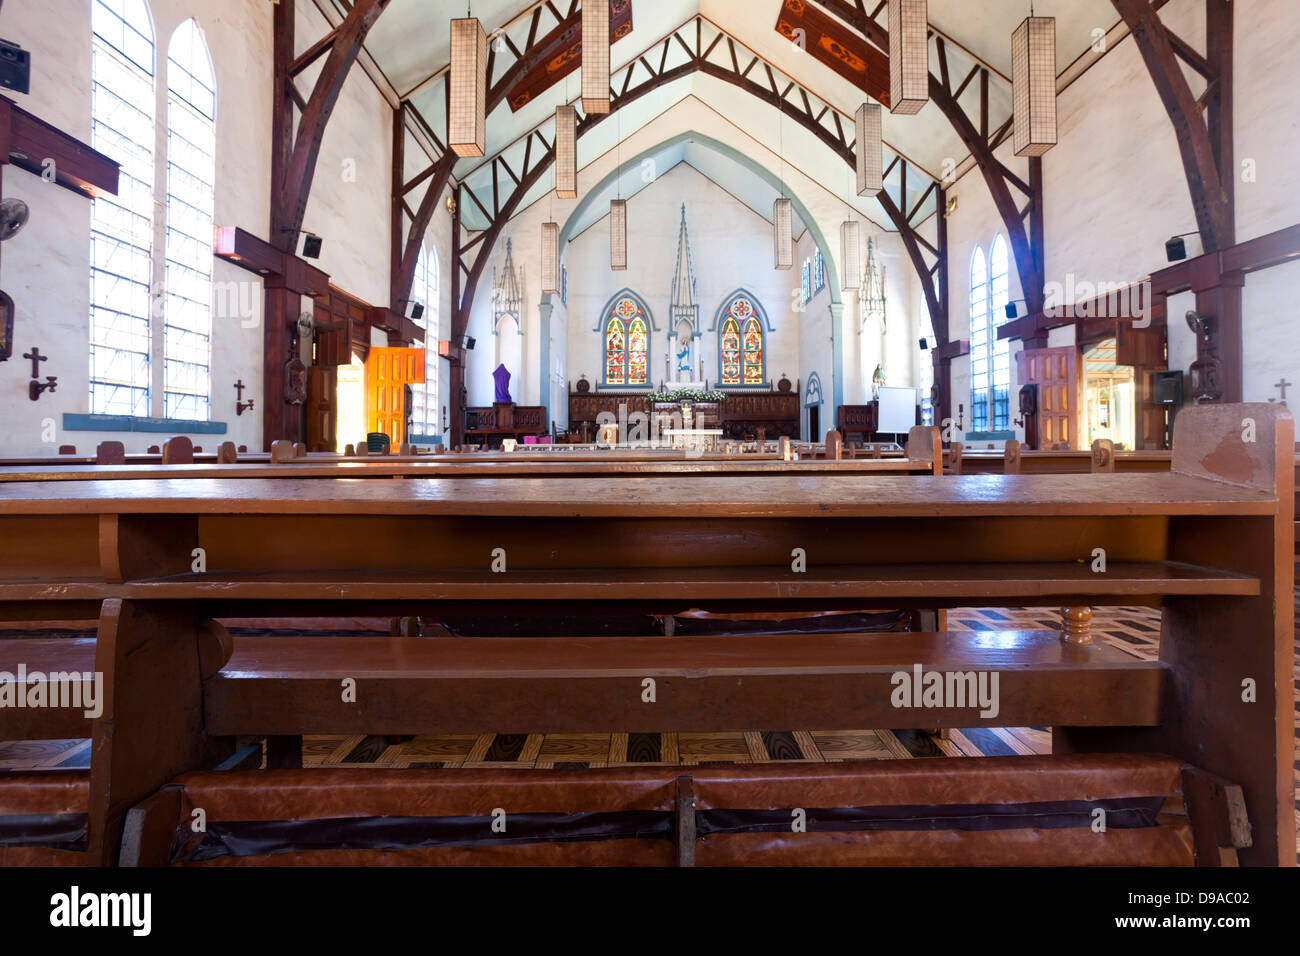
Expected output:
(1281, 386)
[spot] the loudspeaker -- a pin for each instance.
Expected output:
(1167, 388)
(311, 246)
(1176, 249)
(1010, 310)
(925, 345)
(417, 312)
(468, 343)
(15, 67)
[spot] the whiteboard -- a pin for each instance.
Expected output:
(897, 410)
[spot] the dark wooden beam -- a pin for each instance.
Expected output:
(247, 251)
(296, 188)
(1209, 198)
(29, 142)
(546, 49)
(976, 141)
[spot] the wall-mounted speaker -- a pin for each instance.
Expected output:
(15, 67)
(1167, 388)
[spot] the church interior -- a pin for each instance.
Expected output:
(675, 433)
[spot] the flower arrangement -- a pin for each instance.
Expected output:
(687, 395)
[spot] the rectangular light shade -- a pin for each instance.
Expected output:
(850, 254)
(909, 56)
(566, 152)
(870, 161)
(618, 233)
(467, 86)
(551, 258)
(782, 233)
(1033, 85)
(595, 56)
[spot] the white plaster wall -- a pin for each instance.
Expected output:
(46, 267)
(349, 204)
(1115, 190)
(731, 248)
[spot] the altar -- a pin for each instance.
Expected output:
(692, 439)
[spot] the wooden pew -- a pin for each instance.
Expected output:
(1213, 550)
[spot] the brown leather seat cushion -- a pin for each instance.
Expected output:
(997, 811)
(43, 818)
(959, 811)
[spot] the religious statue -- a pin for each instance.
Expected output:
(684, 359)
(502, 378)
(877, 380)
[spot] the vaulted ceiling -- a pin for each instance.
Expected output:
(799, 48)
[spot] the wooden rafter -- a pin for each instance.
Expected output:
(1028, 260)
(768, 90)
(344, 48)
(1161, 53)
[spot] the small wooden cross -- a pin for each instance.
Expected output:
(1283, 385)
(239, 390)
(37, 358)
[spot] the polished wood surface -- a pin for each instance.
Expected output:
(454, 467)
(708, 496)
(522, 685)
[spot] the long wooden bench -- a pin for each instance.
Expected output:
(1210, 541)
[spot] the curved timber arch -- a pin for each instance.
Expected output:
(486, 240)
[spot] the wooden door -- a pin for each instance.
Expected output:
(1058, 373)
(322, 412)
(388, 372)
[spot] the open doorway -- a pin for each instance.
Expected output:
(351, 403)
(1110, 402)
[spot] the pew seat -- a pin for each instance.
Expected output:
(944, 811)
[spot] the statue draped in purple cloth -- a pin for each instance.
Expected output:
(502, 378)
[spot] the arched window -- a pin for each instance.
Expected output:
(740, 345)
(627, 344)
(121, 226)
(425, 421)
(990, 368)
(191, 172)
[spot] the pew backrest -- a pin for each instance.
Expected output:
(178, 451)
(110, 453)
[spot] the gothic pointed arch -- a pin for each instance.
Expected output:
(742, 325)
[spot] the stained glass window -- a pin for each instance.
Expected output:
(627, 344)
(191, 171)
(740, 345)
(805, 287)
(121, 226)
(819, 272)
